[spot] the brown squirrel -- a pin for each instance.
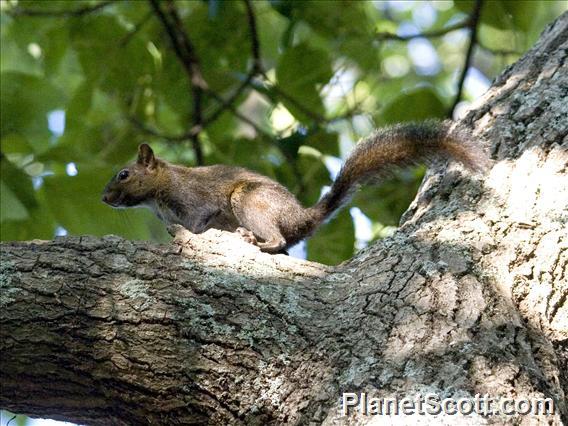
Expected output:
(260, 209)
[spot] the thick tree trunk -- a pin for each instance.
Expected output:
(468, 297)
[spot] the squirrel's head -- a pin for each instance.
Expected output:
(136, 183)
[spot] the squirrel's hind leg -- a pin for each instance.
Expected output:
(274, 243)
(247, 235)
(257, 209)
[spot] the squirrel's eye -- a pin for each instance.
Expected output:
(123, 174)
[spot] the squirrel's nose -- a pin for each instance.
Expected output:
(105, 198)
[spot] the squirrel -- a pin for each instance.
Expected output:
(260, 209)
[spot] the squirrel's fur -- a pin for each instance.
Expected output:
(266, 213)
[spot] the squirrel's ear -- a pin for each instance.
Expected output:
(146, 156)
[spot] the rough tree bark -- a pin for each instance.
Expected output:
(469, 296)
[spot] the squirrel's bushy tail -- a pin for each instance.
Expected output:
(394, 147)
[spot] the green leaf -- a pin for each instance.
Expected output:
(284, 7)
(24, 105)
(314, 176)
(79, 105)
(387, 201)
(334, 242)
(325, 142)
(57, 41)
(271, 31)
(504, 14)
(14, 143)
(338, 20)
(416, 105)
(301, 72)
(289, 145)
(23, 215)
(331, 27)
(11, 208)
(105, 59)
(19, 183)
(40, 225)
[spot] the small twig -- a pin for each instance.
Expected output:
(255, 70)
(255, 43)
(280, 93)
(224, 104)
(500, 52)
(187, 51)
(236, 113)
(126, 39)
(20, 11)
(153, 132)
(198, 83)
(474, 24)
(429, 34)
(258, 69)
(186, 54)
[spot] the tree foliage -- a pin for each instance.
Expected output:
(277, 86)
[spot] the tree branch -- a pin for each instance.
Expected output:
(255, 69)
(185, 51)
(228, 103)
(381, 36)
(143, 335)
(126, 39)
(255, 42)
(500, 52)
(318, 119)
(473, 25)
(20, 11)
(225, 104)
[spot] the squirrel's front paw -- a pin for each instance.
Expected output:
(181, 234)
(175, 229)
(247, 235)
